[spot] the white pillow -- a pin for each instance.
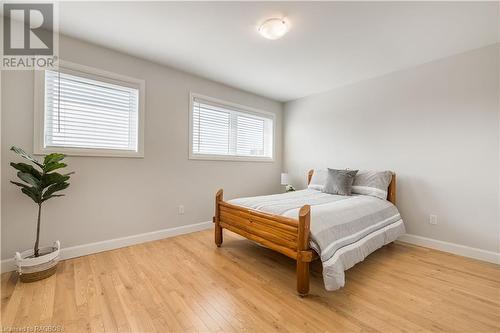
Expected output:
(318, 179)
(374, 183)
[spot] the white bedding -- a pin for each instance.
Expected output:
(344, 229)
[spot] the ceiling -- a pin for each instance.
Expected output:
(330, 44)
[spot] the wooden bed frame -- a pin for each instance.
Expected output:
(282, 234)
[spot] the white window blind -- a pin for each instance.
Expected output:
(250, 132)
(223, 130)
(85, 113)
(211, 129)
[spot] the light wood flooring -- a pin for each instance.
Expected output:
(187, 284)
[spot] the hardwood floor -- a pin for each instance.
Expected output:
(187, 284)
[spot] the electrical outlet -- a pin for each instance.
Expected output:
(181, 209)
(433, 219)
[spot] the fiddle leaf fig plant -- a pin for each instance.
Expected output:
(40, 181)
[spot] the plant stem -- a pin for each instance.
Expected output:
(38, 230)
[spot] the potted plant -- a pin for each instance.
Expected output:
(40, 182)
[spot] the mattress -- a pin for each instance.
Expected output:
(344, 229)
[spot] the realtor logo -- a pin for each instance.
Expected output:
(28, 29)
(29, 41)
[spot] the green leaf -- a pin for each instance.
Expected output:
(55, 188)
(53, 166)
(53, 158)
(23, 167)
(19, 184)
(51, 181)
(52, 196)
(28, 178)
(53, 178)
(25, 155)
(32, 193)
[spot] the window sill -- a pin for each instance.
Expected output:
(207, 157)
(89, 152)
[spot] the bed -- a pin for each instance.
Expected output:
(344, 229)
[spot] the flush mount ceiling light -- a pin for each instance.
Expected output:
(274, 28)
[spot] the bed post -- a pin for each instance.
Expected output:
(309, 176)
(218, 229)
(391, 191)
(303, 251)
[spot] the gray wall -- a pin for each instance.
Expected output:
(435, 125)
(116, 197)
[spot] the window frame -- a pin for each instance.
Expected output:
(238, 108)
(94, 74)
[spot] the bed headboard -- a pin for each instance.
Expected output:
(391, 191)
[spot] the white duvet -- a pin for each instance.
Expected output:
(344, 229)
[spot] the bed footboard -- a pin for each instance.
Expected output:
(282, 234)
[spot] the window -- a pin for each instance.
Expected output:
(84, 111)
(222, 130)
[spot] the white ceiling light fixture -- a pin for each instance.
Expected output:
(274, 28)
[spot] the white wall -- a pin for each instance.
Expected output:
(435, 125)
(116, 197)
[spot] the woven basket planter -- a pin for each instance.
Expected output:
(32, 268)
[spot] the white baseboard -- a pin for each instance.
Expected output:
(8, 265)
(461, 250)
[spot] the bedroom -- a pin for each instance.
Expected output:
(249, 97)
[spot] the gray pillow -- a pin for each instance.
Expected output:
(339, 181)
(374, 183)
